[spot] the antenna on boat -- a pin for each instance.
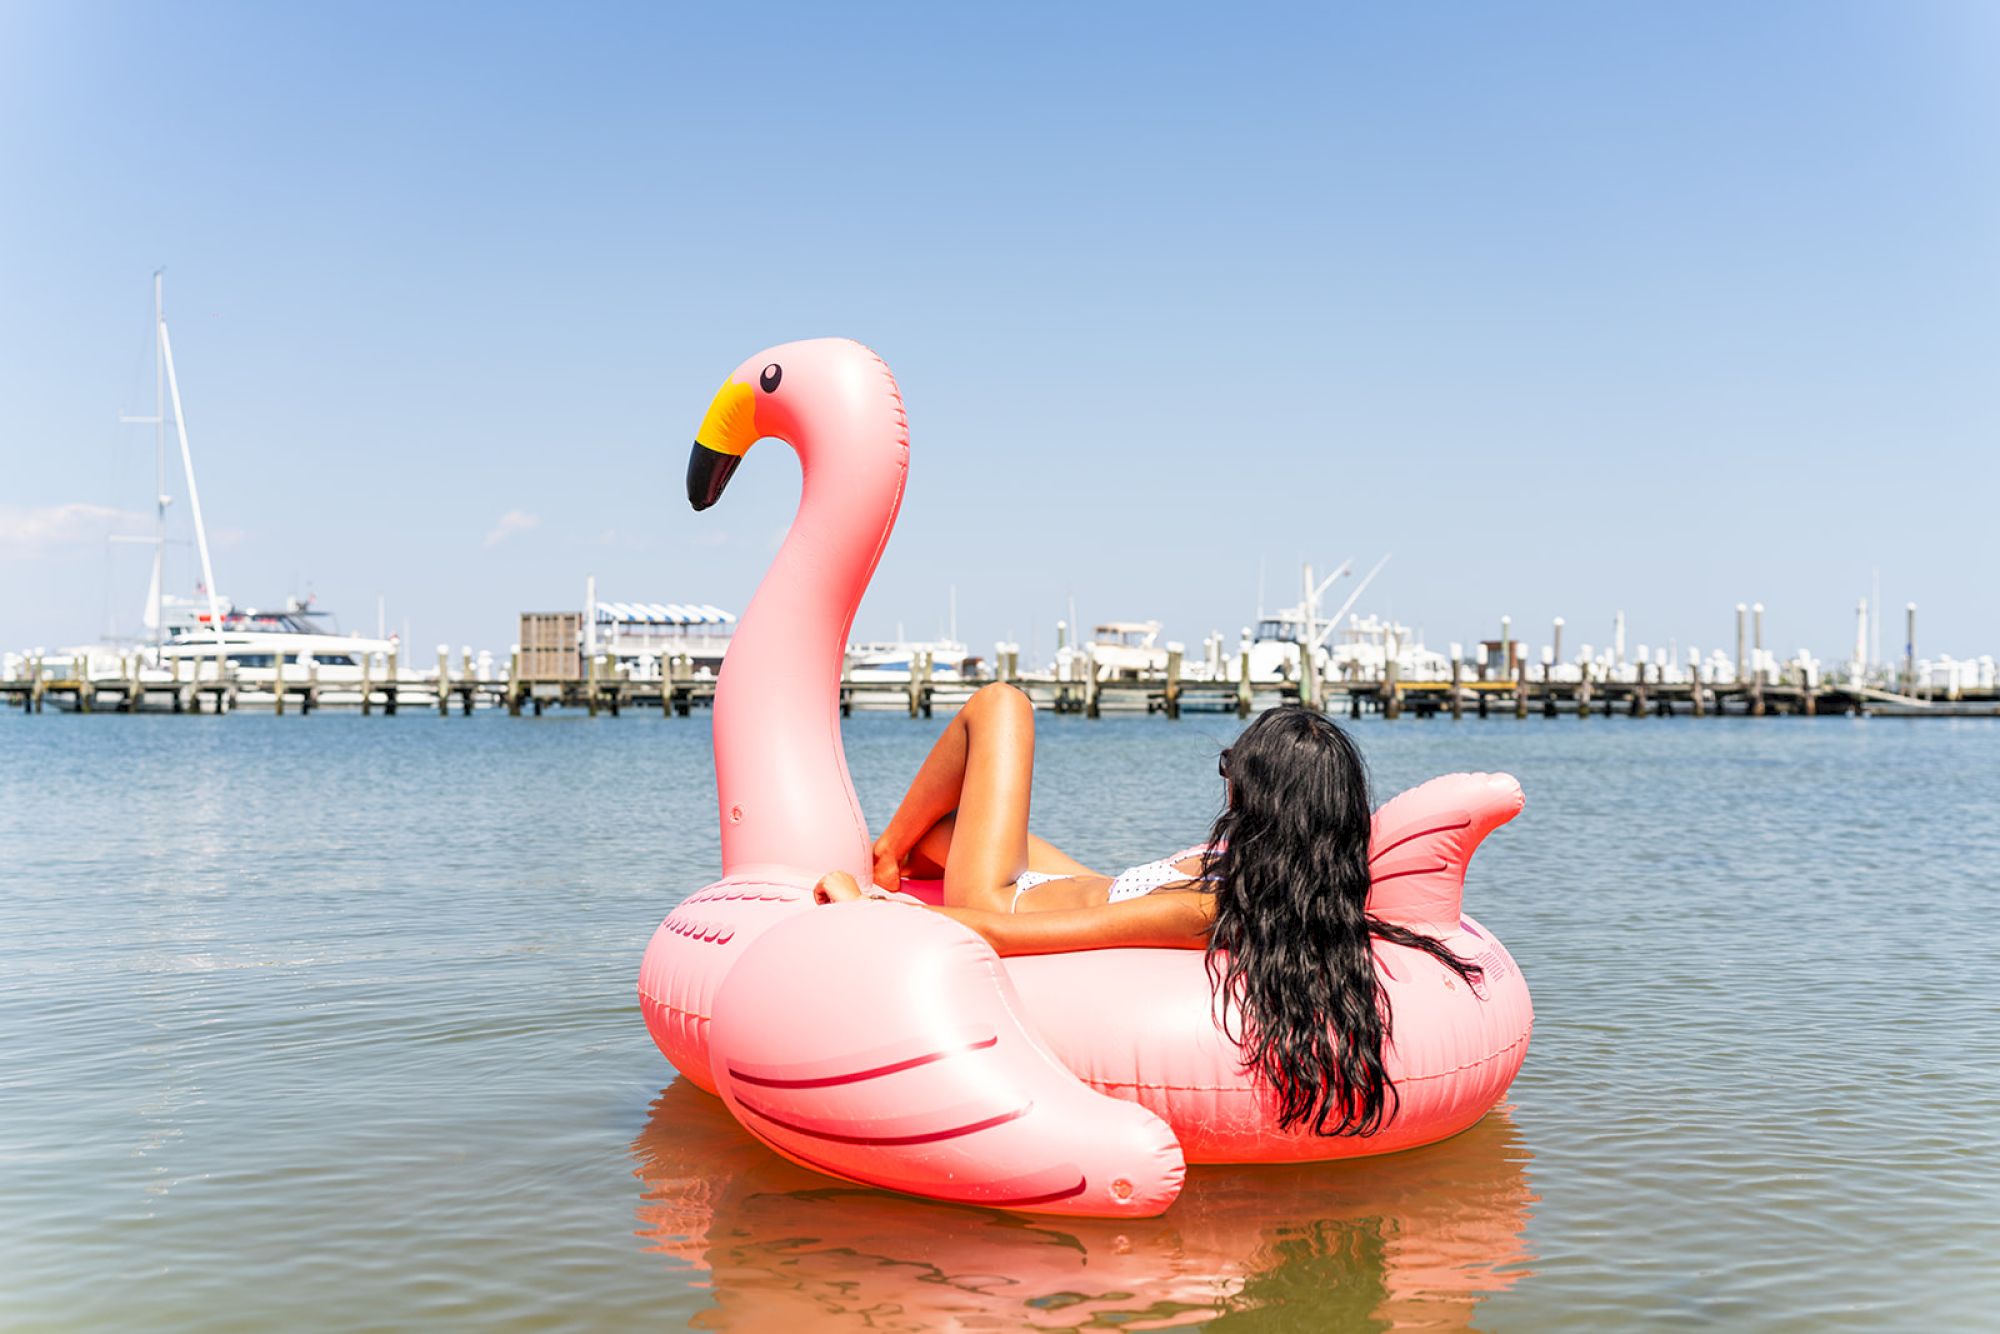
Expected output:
(194, 496)
(1875, 611)
(1353, 597)
(1319, 590)
(1309, 631)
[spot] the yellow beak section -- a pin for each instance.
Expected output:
(730, 424)
(727, 430)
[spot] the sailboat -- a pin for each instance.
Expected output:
(196, 639)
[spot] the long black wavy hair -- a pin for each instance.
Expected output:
(1290, 954)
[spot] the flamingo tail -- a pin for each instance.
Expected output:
(1423, 841)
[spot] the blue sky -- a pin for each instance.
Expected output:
(1572, 308)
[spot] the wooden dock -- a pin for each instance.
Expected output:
(677, 690)
(1642, 698)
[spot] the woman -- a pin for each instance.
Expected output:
(1277, 896)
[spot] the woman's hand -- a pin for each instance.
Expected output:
(836, 887)
(888, 866)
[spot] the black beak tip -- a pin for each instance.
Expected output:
(708, 474)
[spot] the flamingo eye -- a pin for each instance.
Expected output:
(769, 379)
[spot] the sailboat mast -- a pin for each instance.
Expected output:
(194, 496)
(159, 463)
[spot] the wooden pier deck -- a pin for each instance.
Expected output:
(677, 692)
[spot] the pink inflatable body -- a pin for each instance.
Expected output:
(891, 1046)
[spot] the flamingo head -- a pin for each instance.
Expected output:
(775, 394)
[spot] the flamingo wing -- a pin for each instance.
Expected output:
(885, 1044)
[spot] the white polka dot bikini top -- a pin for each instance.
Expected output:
(1138, 881)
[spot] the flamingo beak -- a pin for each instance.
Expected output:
(728, 429)
(708, 473)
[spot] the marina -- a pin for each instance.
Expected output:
(618, 657)
(203, 654)
(381, 684)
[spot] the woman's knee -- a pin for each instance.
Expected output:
(999, 699)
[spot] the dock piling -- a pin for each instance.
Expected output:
(1741, 611)
(1910, 649)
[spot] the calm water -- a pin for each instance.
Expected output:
(330, 1022)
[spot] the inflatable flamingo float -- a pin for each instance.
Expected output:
(893, 1047)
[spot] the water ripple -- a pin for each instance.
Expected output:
(329, 1021)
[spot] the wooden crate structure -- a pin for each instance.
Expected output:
(551, 646)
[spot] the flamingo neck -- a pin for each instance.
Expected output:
(782, 783)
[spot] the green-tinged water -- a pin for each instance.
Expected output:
(330, 1022)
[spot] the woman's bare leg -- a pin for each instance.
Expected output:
(981, 768)
(927, 860)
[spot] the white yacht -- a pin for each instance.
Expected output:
(253, 644)
(1274, 650)
(1128, 651)
(879, 672)
(890, 662)
(1368, 643)
(257, 642)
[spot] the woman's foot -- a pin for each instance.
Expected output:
(836, 887)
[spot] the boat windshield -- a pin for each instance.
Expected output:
(186, 621)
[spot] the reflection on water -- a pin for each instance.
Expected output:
(1408, 1241)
